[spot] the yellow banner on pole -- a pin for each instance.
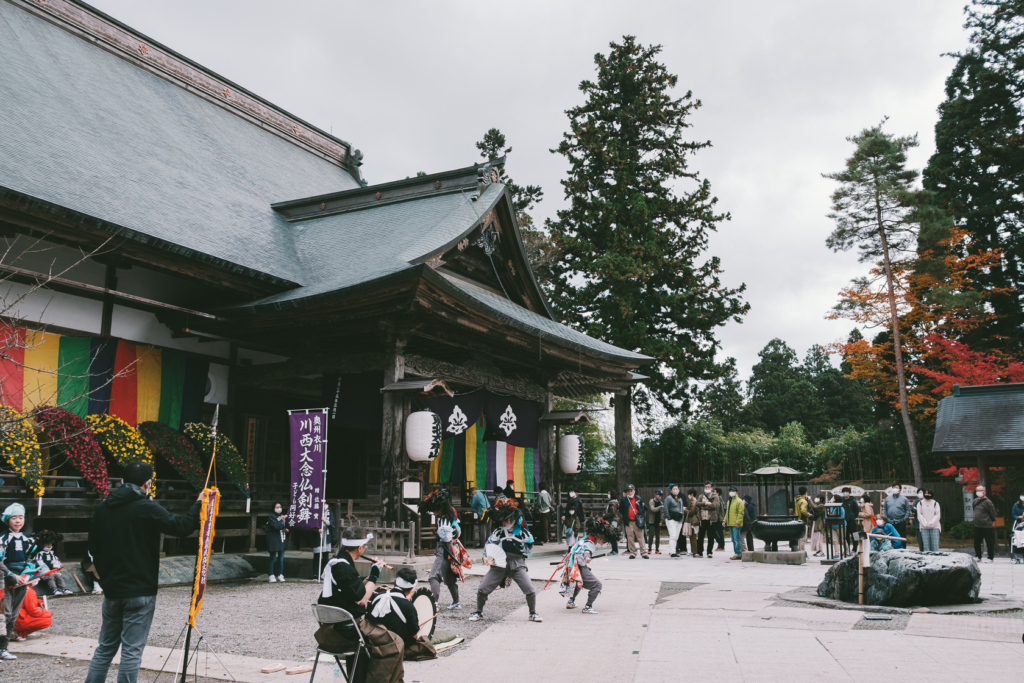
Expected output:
(207, 516)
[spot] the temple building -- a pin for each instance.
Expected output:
(196, 245)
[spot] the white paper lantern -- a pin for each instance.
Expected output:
(570, 453)
(423, 436)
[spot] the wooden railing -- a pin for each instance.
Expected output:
(388, 537)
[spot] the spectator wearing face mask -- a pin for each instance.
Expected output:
(709, 519)
(897, 510)
(929, 519)
(631, 507)
(884, 528)
(984, 524)
(720, 526)
(867, 511)
(655, 507)
(917, 518)
(691, 522)
(1018, 509)
(851, 511)
(572, 518)
(611, 513)
(675, 507)
(816, 508)
(749, 517)
(734, 510)
(277, 541)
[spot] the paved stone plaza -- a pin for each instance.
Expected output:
(657, 616)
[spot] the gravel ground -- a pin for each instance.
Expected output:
(260, 619)
(42, 669)
(898, 622)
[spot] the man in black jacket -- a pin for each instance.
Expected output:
(851, 509)
(124, 541)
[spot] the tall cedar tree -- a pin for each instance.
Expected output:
(979, 160)
(632, 270)
(873, 209)
(539, 248)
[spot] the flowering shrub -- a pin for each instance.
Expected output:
(19, 446)
(122, 443)
(229, 460)
(75, 439)
(176, 450)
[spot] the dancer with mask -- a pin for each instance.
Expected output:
(505, 555)
(576, 563)
(450, 557)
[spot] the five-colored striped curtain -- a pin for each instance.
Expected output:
(99, 375)
(467, 457)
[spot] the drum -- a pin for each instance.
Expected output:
(496, 553)
(423, 601)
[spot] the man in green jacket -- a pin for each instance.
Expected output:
(734, 509)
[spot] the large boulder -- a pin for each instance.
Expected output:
(906, 578)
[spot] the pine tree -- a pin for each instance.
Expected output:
(873, 209)
(539, 248)
(979, 160)
(722, 399)
(633, 269)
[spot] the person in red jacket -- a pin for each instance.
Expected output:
(32, 617)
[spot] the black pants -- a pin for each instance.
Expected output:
(719, 528)
(851, 540)
(681, 544)
(750, 540)
(987, 535)
(901, 528)
(653, 535)
(707, 528)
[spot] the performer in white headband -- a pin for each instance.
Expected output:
(393, 609)
(344, 588)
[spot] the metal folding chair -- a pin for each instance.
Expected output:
(325, 614)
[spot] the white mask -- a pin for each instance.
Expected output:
(277, 511)
(732, 494)
(979, 493)
(707, 492)
(572, 494)
(1022, 497)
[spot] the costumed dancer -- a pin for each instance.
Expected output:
(505, 554)
(47, 559)
(577, 574)
(394, 610)
(344, 588)
(450, 556)
(14, 557)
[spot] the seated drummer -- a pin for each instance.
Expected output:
(344, 588)
(394, 611)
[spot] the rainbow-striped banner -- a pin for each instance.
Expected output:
(467, 457)
(100, 375)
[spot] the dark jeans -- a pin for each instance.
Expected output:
(276, 560)
(706, 529)
(989, 536)
(126, 623)
(653, 534)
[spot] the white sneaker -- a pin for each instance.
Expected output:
(5, 655)
(988, 561)
(273, 579)
(280, 578)
(475, 616)
(97, 591)
(454, 606)
(535, 617)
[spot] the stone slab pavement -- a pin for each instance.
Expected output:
(725, 612)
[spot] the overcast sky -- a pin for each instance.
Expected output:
(414, 85)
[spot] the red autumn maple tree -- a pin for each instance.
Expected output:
(967, 367)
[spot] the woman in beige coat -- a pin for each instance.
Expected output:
(867, 511)
(692, 517)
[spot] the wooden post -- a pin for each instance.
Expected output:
(547, 444)
(860, 571)
(623, 439)
(110, 284)
(558, 494)
(252, 532)
(983, 473)
(391, 437)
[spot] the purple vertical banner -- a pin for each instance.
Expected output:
(307, 440)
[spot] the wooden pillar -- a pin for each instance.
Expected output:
(391, 436)
(547, 445)
(983, 474)
(252, 531)
(623, 439)
(110, 284)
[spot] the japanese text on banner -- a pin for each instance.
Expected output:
(307, 451)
